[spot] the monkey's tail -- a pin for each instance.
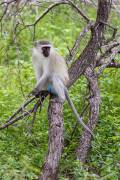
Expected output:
(75, 111)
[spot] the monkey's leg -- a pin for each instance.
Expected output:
(59, 87)
(40, 85)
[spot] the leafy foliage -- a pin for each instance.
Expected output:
(22, 154)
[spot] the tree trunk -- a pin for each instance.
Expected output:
(50, 168)
(91, 55)
(88, 56)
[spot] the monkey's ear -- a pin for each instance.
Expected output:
(35, 43)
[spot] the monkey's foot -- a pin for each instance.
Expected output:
(35, 92)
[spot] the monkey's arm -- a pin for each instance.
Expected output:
(38, 70)
(40, 76)
(39, 86)
(42, 81)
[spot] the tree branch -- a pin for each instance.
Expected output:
(88, 56)
(85, 140)
(114, 65)
(79, 11)
(23, 113)
(50, 167)
(111, 57)
(67, 2)
(76, 45)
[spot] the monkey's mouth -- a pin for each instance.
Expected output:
(46, 54)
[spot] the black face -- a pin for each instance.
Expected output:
(46, 51)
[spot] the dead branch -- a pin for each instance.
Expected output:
(21, 108)
(37, 105)
(7, 2)
(76, 45)
(41, 16)
(85, 140)
(108, 51)
(16, 119)
(67, 2)
(114, 65)
(97, 38)
(6, 8)
(113, 34)
(88, 56)
(22, 112)
(111, 57)
(79, 11)
(45, 13)
(116, 7)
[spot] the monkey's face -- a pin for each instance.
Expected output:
(45, 51)
(43, 47)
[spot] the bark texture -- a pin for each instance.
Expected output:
(88, 56)
(55, 116)
(85, 140)
(90, 53)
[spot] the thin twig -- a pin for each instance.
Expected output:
(68, 2)
(114, 31)
(79, 11)
(34, 115)
(11, 120)
(6, 8)
(16, 119)
(37, 105)
(9, 2)
(21, 108)
(114, 65)
(112, 56)
(107, 52)
(72, 52)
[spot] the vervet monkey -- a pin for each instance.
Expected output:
(52, 74)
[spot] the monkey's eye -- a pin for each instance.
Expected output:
(46, 48)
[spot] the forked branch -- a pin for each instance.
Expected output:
(21, 113)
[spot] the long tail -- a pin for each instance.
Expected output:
(75, 111)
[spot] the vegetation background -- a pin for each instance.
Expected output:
(22, 154)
